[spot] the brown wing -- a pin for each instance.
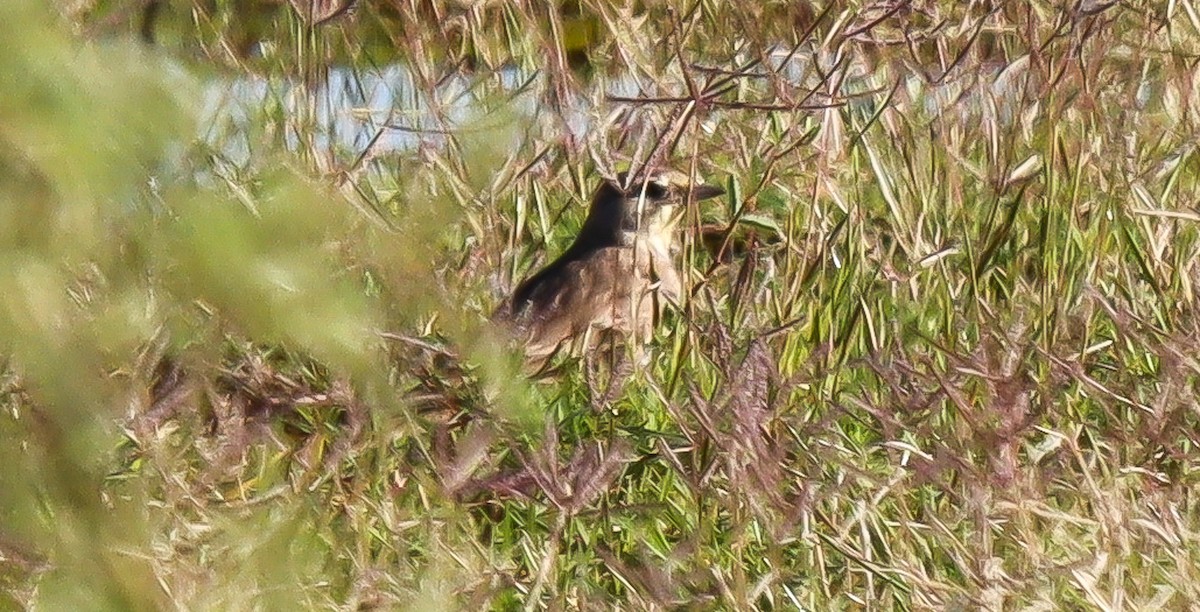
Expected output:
(584, 293)
(611, 288)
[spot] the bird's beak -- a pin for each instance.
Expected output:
(704, 192)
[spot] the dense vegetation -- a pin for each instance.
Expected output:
(948, 359)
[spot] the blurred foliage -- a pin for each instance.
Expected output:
(105, 243)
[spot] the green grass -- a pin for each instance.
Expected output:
(955, 367)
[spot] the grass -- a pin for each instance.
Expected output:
(952, 364)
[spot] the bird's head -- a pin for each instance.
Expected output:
(646, 206)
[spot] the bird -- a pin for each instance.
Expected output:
(618, 274)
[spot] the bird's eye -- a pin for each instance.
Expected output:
(654, 191)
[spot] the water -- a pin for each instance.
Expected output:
(351, 109)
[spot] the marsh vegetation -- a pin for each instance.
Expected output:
(938, 347)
